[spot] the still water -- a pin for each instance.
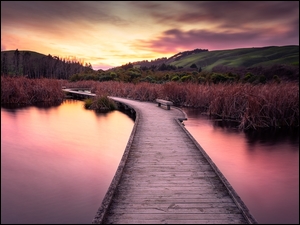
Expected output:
(262, 167)
(58, 162)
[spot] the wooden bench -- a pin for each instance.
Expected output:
(164, 102)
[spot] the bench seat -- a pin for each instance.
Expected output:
(164, 102)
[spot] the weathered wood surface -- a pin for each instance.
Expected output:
(165, 177)
(79, 92)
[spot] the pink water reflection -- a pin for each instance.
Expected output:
(265, 174)
(57, 163)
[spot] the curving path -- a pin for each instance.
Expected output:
(165, 177)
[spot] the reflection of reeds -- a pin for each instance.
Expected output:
(24, 91)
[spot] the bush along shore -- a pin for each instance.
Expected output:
(252, 106)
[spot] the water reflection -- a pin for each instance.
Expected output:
(262, 166)
(57, 162)
(273, 136)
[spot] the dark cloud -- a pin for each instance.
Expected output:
(175, 40)
(228, 14)
(51, 14)
(233, 24)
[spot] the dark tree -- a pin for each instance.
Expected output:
(16, 61)
(4, 65)
(26, 63)
(194, 66)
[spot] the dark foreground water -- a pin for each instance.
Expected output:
(57, 163)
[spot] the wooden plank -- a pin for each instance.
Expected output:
(185, 210)
(170, 221)
(142, 200)
(175, 216)
(178, 205)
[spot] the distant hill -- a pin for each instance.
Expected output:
(34, 55)
(282, 61)
(242, 57)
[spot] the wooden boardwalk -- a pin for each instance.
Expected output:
(79, 92)
(165, 177)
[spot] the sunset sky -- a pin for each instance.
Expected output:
(111, 33)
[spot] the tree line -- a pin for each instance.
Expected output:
(35, 65)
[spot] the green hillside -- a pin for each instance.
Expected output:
(243, 57)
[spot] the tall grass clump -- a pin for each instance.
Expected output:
(87, 103)
(257, 106)
(100, 103)
(25, 91)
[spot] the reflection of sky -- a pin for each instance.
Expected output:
(263, 168)
(57, 164)
(110, 33)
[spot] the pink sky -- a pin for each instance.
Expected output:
(111, 33)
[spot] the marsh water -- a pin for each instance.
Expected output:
(262, 166)
(57, 163)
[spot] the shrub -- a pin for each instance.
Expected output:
(276, 79)
(262, 79)
(102, 104)
(247, 77)
(87, 103)
(194, 66)
(218, 78)
(186, 78)
(175, 78)
(201, 80)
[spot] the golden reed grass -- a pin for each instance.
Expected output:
(25, 91)
(252, 106)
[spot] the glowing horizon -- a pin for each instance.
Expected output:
(109, 34)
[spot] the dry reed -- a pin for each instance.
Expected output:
(25, 91)
(253, 106)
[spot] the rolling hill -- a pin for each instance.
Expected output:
(282, 61)
(242, 57)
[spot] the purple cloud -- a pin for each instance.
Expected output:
(175, 40)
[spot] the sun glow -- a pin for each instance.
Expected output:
(110, 34)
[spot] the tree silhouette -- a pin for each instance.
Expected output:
(16, 61)
(4, 65)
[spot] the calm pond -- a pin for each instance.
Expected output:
(57, 163)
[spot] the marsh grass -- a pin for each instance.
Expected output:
(87, 103)
(102, 103)
(25, 91)
(251, 106)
